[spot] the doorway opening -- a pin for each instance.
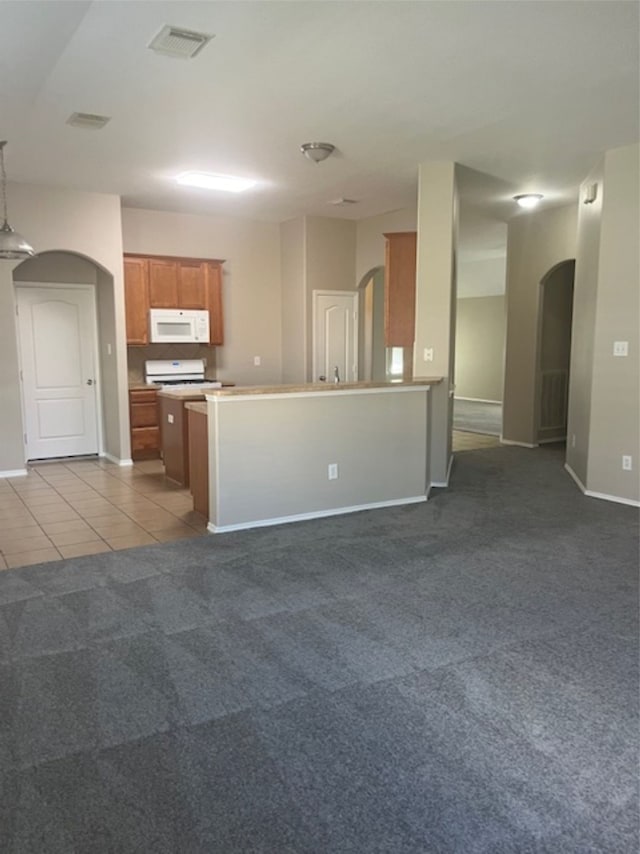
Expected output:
(554, 352)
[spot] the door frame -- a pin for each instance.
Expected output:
(355, 295)
(54, 286)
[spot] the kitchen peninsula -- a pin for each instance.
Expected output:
(286, 453)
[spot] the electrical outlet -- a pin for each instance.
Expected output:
(257, 361)
(333, 471)
(627, 462)
(573, 440)
(170, 418)
(428, 354)
(620, 348)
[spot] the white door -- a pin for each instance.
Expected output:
(57, 329)
(335, 335)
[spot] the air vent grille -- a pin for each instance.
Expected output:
(342, 202)
(88, 121)
(182, 44)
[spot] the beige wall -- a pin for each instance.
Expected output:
(612, 425)
(536, 242)
(480, 332)
(270, 456)
(294, 301)
(251, 281)
(330, 257)
(88, 224)
(435, 300)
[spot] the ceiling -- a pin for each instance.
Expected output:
(525, 95)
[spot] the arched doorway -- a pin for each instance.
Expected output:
(554, 352)
(65, 305)
(372, 354)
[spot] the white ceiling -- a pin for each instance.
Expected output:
(525, 94)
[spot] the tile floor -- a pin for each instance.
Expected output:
(81, 507)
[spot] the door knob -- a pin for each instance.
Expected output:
(89, 382)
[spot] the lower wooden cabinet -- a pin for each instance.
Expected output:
(145, 424)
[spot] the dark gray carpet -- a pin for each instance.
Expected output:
(459, 676)
(473, 416)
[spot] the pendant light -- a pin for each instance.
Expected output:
(13, 246)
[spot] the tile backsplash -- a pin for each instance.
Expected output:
(137, 356)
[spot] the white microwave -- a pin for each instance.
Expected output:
(178, 326)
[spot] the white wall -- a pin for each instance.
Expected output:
(294, 301)
(480, 334)
(536, 242)
(88, 224)
(251, 281)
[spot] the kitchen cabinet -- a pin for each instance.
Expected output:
(198, 456)
(153, 281)
(145, 425)
(400, 289)
(136, 300)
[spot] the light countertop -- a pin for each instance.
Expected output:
(320, 387)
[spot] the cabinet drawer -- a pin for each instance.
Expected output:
(143, 395)
(144, 414)
(145, 439)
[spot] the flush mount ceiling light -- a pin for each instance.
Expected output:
(528, 200)
(317, 151)
(13, 246)
(207, 181)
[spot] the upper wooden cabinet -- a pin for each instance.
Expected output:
(136, 300)
(400, 289)
(152, 281)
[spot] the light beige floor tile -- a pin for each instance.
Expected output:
(53, 500)
(58, 514)
(128, 542)
(158, 522)
(80, 549)
(16, 519)
(70, 538)
(22, 531)
(62, 527)
(31, 557)
(75, 494)
(118, 529)
(24, 544)
(176, 532)
(91, 510)
(113, 518)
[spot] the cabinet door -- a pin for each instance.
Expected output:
(400, 289)
(136, 300)
(192, 285)
(163, 283)
(214, 302)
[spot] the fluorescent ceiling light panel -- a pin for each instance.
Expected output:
(207, 181)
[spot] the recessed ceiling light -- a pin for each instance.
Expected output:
(207, 181)
(528, 200)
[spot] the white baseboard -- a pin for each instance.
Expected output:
(116, 460)
(580, 484)
(504, 441)
(603, 496)
(477, 400)
(444, 484)
(317, 514)
(14, 473)
(551, 441)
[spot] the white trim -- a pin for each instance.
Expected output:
(517, 444)
(14, 473)
(316, 514)
(615, 498)
(603, 496)
(116, 460)
(477, 400)
(580, 484)
(551, 441)
(330, 392)
(445, 483)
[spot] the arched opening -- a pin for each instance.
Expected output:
(372, 355)
(554, 352)
(66, 344)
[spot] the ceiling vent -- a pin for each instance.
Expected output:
(88, 121)
(183, 44)
(341, 202)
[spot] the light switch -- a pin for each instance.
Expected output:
(257, 361)
(170, 418)
(620, 348)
